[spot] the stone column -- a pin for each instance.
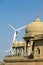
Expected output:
(16, 51)
(24, 51)
(31, 43)
(28, 48)
(21, 51)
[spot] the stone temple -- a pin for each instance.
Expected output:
(29, 51)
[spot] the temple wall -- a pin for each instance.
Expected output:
(38, 63)
(38, 44)
(26, 62)
(21, 63)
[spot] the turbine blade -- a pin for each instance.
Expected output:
(11, 26)
(5, 51)
(21, 28)
(11, 50)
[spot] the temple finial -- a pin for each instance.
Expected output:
(38, 14)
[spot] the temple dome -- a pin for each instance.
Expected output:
(18, 44)
(34, 28)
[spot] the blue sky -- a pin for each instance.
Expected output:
(18, 13)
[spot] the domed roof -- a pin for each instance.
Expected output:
(34, 28)
(18, 44)
(15, 44)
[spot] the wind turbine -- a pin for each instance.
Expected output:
(15, 36)
(15, 31)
